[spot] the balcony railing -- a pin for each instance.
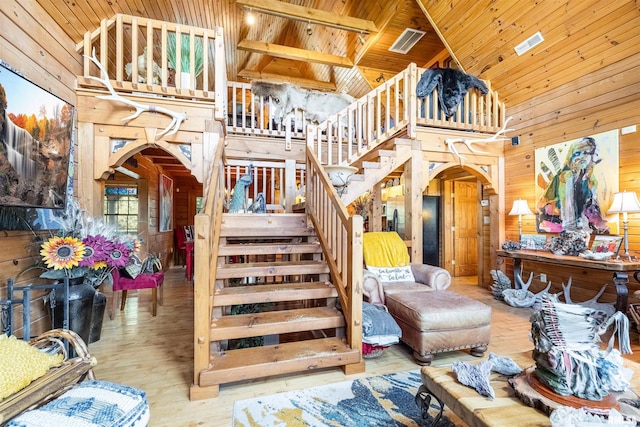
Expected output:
(390, 109)
(137, 55)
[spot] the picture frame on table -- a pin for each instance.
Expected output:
(606, 243)
(534, 242)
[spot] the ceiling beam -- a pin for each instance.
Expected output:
(294, 53)
(439, 33)
(306, 14)
(305, 83)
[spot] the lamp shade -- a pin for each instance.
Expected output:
(520, 207)
(624, 202)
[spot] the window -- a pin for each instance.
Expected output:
(121, 208)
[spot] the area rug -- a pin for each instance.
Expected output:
(386, 400)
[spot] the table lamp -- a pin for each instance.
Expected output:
(520, 208)
(625, 203)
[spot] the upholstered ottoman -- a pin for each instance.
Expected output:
(439, 321)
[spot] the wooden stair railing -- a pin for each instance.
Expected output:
(393, 109)
(340, 236)
(206, 234)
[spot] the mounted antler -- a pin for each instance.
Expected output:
(469, 142)
(177, 118)
(607, 307)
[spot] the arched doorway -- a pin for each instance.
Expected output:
(464, 228)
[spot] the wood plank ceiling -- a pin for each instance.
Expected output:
(579, 38)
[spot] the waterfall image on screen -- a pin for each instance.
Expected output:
(35, 138)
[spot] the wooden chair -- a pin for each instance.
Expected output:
(151, 281)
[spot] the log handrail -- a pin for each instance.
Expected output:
(392, 108)
(207, 233)
(340, 236)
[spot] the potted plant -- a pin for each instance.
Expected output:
(185, 57)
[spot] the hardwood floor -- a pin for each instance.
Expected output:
(155, 354)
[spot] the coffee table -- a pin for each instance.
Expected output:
(506, 410)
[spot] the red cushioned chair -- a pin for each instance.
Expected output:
(181, 246)
(151, 281)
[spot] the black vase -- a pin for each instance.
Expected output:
(97, 315)
(81, 297)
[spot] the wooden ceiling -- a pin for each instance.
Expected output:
(580, 37)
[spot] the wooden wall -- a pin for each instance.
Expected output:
(33, 44)
(185, 192)
(608, 99)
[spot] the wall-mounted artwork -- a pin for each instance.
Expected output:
(575, 183)
(36, 130)
(165, 211)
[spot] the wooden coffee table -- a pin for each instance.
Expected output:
(506, 410)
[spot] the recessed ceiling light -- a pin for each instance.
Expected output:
(529, 43)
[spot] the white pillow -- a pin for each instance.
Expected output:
(393, 274)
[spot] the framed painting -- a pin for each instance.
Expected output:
(575, 182)
(606, 244)
(165, 211)
(36, 138)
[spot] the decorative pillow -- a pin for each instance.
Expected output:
(21, 364)
(393, 274)
(91, 404)
(151, 264)
(131, 271)
(188, 232)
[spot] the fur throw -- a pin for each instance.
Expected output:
(452, 84)
(287, 98)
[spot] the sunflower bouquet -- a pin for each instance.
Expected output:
(85, 247)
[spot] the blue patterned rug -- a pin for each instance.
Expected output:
(386, 400)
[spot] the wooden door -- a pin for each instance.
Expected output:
(465, 220)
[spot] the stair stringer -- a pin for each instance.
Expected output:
(370, 175)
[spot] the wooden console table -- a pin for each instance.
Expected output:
(620, 269)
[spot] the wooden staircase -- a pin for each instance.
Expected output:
(377, 169)
(274, 262)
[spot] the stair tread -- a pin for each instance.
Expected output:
(275, 322)
(265, 225)
(269, 248)
(271, 268)
(239, 265)
(273, 292)
(260, 362)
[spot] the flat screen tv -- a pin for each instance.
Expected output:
(36, 129)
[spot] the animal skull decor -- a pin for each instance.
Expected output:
(288, 98)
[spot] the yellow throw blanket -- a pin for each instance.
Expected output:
(384, 249)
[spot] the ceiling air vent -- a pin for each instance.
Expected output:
(529, 43)
(407, 40)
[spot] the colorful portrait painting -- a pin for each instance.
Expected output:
(575, 183)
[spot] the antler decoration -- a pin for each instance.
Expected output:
(469, 142)
(177, 118)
